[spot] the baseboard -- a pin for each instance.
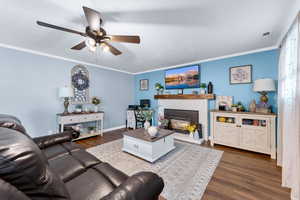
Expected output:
(113, 128)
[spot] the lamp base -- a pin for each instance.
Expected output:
(264, 97)
(66, 105)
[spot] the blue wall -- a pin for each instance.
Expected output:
(265, 65)
(29, 84)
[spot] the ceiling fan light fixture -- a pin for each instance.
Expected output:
(92, 48)
(90, 42)
(104, 47)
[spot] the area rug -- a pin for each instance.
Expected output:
(186, 170)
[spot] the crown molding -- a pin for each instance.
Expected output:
(126, 72)
(60, 58)
(210, 59)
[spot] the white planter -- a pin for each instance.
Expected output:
(202, 91)
(96, 108)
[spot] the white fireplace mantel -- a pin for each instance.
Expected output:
(200, 105)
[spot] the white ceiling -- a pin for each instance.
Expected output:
(173, 32)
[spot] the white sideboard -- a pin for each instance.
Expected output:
(63, 120)
(244, 130)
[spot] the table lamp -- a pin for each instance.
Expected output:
(66, 93)
(263, 86)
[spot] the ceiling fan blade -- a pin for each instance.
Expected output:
(125, 38)
(112, 49)
(59, 28)
(79, 46)
(93, 18)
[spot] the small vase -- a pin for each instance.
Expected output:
(146, 125)
(196, 135)
(96, 108)
(202, 91)
(191, 134)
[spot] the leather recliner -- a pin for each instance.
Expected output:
(54, 168)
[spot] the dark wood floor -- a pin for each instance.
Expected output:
(241, 175)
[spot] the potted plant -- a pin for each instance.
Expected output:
(147, 114)
(91, 129)
(240, 107)
(96, 101)
(202, 88)
(234, 107)
(159, 88)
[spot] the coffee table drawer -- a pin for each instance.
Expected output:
(137, 146)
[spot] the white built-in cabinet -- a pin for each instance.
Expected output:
(244, 130)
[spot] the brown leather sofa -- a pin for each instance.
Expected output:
(53, 168)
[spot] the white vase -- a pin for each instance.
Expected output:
(191, 134)
(152, 130)
(202, 91)
(146, 125)
(95, 108)
(196, 135)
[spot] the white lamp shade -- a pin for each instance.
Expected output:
(65, 92)
(264, 85)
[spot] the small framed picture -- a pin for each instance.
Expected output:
(240, 74)
(144, 84)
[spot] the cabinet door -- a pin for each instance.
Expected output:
(255, 139)
(227, 135)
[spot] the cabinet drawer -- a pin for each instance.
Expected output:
(69, 120)
(137, 146)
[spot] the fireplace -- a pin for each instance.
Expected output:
(179, 119)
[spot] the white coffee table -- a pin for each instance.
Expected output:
(139, 143)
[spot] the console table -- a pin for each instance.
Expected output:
(74, 118)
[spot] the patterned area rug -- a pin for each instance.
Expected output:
(186, 170)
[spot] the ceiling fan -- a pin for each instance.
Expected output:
(95, 34)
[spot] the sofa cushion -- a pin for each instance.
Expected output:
(71, 146)
(116, 177)
(66, 167)
(89, 185)
(23, 165)
(54, 151)
(9, 192)
(85, 158)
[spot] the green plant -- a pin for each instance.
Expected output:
(158, 86)
(203, 85)
(96, 101)
(147, 114)
(91, 128)
(234, 105)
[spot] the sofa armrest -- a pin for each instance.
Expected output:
(141, 186)
(50, 140)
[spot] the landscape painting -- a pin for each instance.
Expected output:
(183, 77)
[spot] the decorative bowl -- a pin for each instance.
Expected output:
(152, 130)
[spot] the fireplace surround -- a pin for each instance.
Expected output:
(180, 118)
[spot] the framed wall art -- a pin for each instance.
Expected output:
(240, 74)
(80, 82)
(144, 84)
